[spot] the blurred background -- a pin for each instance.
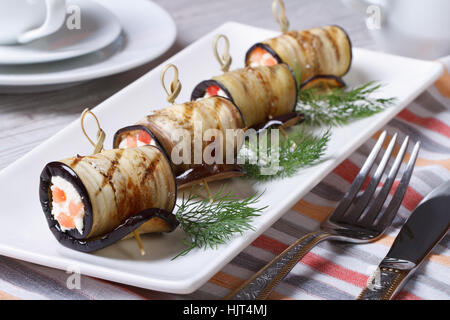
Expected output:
(45, 113)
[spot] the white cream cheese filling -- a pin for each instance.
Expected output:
(71, 195)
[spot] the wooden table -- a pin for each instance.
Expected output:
(26, 120)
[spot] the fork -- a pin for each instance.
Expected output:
(363, 222)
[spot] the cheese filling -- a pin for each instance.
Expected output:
(214, 91)
(136, 139)
(260, 57)
(67, 205)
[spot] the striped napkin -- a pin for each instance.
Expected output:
(329, 271)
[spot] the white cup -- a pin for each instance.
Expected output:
(415, 28)
(22, 21)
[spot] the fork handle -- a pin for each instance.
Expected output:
(386, 282)
(262, 283)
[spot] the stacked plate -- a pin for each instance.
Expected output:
(112, 36)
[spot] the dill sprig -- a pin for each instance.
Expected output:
(208, 224)
(297, 150)
(338, 106)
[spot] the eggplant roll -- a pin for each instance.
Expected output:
(318, 51)
(93, 201)
(261, 93)
(163, 129)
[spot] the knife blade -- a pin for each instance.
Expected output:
(426, 226)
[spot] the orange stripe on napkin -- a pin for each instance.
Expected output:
(443, 83)
(425, 162)
(231, 282)
(6, 296)
(313, 211)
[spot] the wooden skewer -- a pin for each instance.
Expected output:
(205, 184)
(224, 59)
(139, 242)
(281, 19)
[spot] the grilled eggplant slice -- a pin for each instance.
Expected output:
(116, 191)
(194, 117)
(318, 51)
(260, 93)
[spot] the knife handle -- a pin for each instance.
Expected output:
(386, 282)
(261, 284)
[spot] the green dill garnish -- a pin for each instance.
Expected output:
(338, 106)
(209, 223)
(297, 150)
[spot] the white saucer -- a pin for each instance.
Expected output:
(98, 28)
(147, 32)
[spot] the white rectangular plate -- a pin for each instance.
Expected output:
(23, 230)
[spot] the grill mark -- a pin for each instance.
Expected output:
(188, 111)
(318, 52)
(333, 43)
(219, 126)
(188, 125)
(75, 161)
(235, 114)
(175, 123)
(276, 100)
(313, 51)
(170, 184)
(149, 173)
(268, 89)
(150, 169)
(186, 116)
(217, 107)
(104, 180)
(169, 116)
(298, 37)
(114, 164)
(242, 79)
(136, 196)
(160, 188)
(206, 113)
(107, 179)
(134, 192)
(301, 38)
(122, 205)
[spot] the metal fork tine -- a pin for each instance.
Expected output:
(375, 206)
(356, 212)
(388, 215)
(357, 183)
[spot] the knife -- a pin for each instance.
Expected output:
(426, 226)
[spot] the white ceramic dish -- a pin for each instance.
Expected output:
(23, 230)
(99, 27)
(147, 32)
